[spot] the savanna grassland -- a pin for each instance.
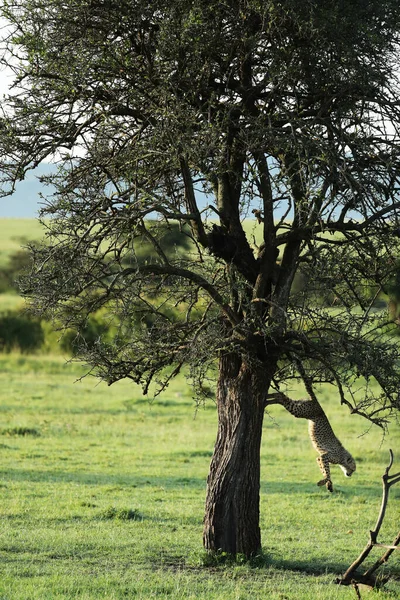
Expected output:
(102, 494)
(14, 233)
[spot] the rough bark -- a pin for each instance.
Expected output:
(231, 521)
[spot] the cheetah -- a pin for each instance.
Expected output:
(321, 433)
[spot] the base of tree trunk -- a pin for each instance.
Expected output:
(231, 521)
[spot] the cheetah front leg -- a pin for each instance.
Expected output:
(323, 464)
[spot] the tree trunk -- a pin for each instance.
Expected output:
(231, 521)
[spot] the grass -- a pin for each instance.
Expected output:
(102, 495)
(102, 492)
(14, 233)
(11, 302)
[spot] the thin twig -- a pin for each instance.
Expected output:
(357, 591)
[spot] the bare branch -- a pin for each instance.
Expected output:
(351, 576)
(190, 276)
(190, 198)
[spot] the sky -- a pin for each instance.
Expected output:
(25, 201)
(4, 82)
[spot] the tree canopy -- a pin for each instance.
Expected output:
(198, 117)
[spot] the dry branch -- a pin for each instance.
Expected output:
(351, 577)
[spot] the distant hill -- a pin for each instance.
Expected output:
(25, 202)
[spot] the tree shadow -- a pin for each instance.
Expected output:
(310, 567)
(310, 489)
(270, 487)
(316, 566)
(98, 478)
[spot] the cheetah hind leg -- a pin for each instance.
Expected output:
(323, 464)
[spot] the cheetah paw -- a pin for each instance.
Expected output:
(327, 483)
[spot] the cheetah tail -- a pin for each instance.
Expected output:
(306, 380)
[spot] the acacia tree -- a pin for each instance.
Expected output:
(203, 113)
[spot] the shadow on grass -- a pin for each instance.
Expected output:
(87, 478)
(257, 566)
(264, 560)
(311, 490)
(315, 567)
(319, 567)
(171, 482)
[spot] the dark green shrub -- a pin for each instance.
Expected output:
(172, 238)
(94, 329)
(121, 514)
(20, 332)
(20, 431)
(18, 263)
(4, 282)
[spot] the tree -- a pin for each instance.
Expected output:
(289, 109)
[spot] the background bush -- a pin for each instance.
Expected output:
(95, 328)
(18, 331)
(18, 262)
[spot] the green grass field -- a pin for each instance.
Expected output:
(14, 233)
(102, 494)
(102, 491)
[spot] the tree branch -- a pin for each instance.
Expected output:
(305, 233)
(190, 276)
(196, 223)
(269, 252)
(351, 576)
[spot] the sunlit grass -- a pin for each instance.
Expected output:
(11, 301)
(102, 491)
(106, 499)
(14, 233)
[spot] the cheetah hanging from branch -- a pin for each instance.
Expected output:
(321, 433)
